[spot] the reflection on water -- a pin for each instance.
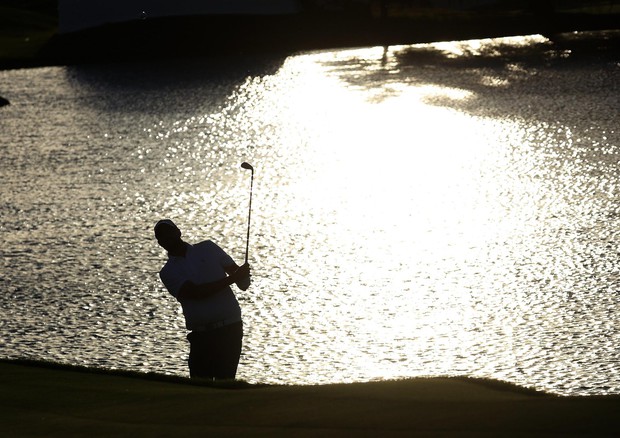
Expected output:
(419, 210)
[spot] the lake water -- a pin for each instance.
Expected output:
(425, 210)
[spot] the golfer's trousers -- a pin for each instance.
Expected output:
(215, 354)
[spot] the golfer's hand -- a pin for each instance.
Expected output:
(243, 276)
(244, 269)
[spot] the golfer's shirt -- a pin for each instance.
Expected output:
(203, 263)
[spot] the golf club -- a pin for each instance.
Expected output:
(247, 245)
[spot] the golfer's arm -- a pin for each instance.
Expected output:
(192, 291)
(231, 269)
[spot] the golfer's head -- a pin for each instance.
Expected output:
(167, 234)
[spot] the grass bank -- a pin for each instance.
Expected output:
(39, 400)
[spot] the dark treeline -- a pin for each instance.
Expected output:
(318, 24)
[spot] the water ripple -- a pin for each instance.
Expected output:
(422, 210)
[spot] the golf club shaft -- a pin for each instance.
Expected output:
(247, 244)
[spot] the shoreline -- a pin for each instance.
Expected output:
(45, 399)
(205, 36)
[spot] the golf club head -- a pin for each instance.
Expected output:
(246, 165)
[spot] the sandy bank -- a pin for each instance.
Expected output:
(41, 401)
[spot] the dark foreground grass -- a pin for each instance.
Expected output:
(37, 400)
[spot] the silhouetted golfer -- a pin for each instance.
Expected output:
(199, 277)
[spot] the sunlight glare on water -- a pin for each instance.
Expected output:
(419, 215)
